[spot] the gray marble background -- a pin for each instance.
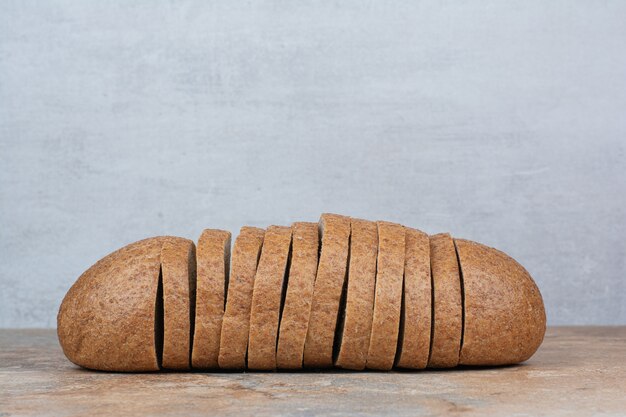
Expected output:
(502, 122)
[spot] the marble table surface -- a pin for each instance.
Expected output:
(577, 371)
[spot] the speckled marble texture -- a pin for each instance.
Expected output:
(501, 122)
(577, 372)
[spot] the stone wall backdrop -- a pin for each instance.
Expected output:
(502, 122)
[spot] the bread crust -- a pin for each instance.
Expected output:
(329, 282)
(297, 309)
(448, 310)
(213, 262)
(388, 296)
(267, 297)
(236, 321)
(106, 320)
(357, 323)
(178, 266)
(414, 346)
(505, 319)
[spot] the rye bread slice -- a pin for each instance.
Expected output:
(357, 323)
(269, 283)
(213, 261)
(108, 317)
(448, 309)
(505, 319)
(236, 321)
(297, 309)
(388, 296)
(329, 283)
(178, 266)
(414, 344)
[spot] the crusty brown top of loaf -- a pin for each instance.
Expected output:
(505, 319)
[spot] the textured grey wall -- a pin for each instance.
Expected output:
(502, 122)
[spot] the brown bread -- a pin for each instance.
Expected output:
(505, 319)
(415, 330)
(107, 319)
(178, 265)
(329, 282)
(357, 323)
(236, 321)
(388, 296)
(135, 310)
(448, 310)
(266, 298)
(295, 319)
(213, 261)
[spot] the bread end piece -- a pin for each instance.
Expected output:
(505, 319)
(107, 319)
